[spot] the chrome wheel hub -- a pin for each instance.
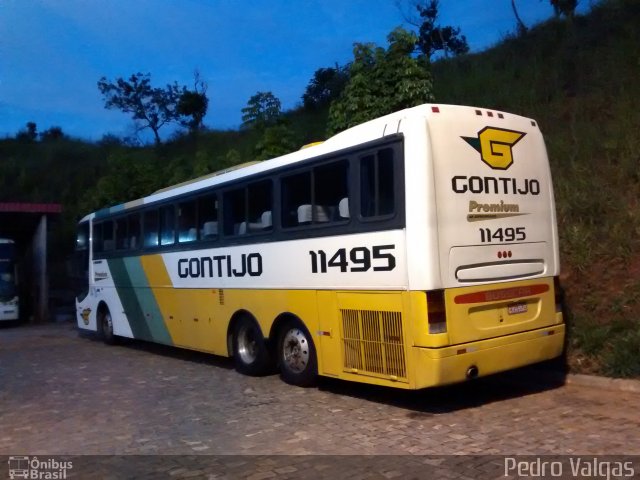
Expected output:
(247, 345)
(295, 350)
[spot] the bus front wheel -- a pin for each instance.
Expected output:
(250, 353)
(105, 324)
(297, 355)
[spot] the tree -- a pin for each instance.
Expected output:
(52, 134)
(521, 27)
(263, 109)
(150, 107)
(382, 81)
(433, 37)
(326, 85)
(564, 7)
(193, 104)
(30, 133)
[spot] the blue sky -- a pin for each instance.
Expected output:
(52, 52)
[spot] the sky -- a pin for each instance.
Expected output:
(53, 52)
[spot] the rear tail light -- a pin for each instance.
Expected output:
(436, 312)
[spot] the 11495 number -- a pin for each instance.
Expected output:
(508, 234)
(358, 259)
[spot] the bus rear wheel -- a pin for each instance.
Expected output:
(105, 325)
(250, 353)
(297, 355)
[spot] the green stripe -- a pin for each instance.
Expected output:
(142, 311)
(147, 301)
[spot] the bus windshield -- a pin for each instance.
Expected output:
(7, 281)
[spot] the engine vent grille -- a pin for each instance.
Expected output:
(373, 343)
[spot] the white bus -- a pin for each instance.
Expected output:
(9, 301)
(414, 250)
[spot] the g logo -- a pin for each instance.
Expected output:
(494, 145)
(85, 315)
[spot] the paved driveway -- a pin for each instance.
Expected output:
(65, 394)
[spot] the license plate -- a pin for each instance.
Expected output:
(517, 308)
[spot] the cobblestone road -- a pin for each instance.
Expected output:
(65, 394)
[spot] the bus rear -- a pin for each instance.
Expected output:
(497, 246)
(9, 309)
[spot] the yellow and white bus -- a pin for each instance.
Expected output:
(414, 250)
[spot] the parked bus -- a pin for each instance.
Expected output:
(9, 301)
(414, 250)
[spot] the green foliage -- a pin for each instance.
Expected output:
(131, 174)
(263, 109)
(326, 85)
(276, 140)
(381, 82)
(193, 104)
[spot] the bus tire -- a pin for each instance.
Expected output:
(297, 355)
(250, 353)
(105, 327)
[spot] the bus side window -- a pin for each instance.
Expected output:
(187, 231)
(331, 187)
(134, 231)
(167, 225)
(376, 184)
(208, 217)
(97, 237)
(234, 212)
(122, 239)
(150, 225)
(260, 206)
(296, 199)
(108, 242)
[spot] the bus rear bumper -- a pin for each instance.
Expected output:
(442, 366)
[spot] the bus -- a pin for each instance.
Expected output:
(414, 250)
(9, 299)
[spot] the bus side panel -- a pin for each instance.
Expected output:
(328, 337)
(365, 336)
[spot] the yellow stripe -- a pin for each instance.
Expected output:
(162, 289)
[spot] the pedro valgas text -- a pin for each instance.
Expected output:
(578, 467)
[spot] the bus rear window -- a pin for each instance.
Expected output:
(376, 184)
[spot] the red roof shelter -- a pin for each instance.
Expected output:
(28, 224)
(22, 207)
